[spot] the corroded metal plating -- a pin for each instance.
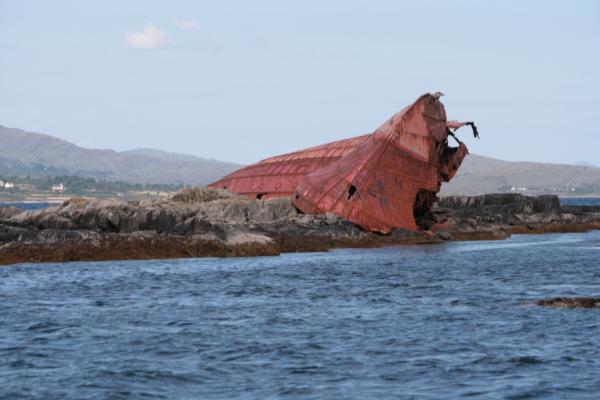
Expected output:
(379, 181)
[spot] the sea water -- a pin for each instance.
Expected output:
(580, 201)
(32, 205)
(439, 321)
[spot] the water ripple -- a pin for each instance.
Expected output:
(448, 321)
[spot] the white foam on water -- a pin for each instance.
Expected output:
(512, 243)
(567, 286)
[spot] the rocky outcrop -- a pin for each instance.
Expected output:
(570, 302)
(507, 213)
(213, 222)
(7, 212)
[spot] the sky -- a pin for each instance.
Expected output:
(240, 81)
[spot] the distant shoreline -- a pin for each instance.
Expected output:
(57, 200)
(30, 202)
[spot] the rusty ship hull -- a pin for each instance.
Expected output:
(380, 181)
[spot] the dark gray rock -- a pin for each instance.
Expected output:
(230, 220)
(7, 212)
(497, 210)
(570, 302)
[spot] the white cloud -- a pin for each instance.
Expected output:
(150, 38)
(187, 24)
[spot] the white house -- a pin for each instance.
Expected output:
(59, 188)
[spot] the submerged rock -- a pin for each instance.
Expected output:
(570, 302)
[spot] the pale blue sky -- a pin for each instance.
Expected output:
(242, 80)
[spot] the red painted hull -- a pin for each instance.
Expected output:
(378, 181)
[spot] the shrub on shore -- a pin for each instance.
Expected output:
(192, 195)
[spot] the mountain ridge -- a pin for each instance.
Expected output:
(30, 148)
(167, 155)
(29, 153)
(480, 175)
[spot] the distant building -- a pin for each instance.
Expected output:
(7, 184)
(59, 188)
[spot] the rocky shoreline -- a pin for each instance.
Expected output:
(205, 222)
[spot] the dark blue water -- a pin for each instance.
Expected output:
(27, 206)
(580, 201)
(432, 322)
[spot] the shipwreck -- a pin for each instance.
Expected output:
(379, 181)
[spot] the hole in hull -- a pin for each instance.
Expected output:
(421, 208)
(351, 191)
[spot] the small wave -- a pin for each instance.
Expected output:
(526, 360)
(481, 246)
(568, 286)
(44, 327)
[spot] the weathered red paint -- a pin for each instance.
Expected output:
(378, 181)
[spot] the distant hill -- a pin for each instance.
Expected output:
(9, 167)
(164, 155)
(586, 164)
(479, 175)
(28, 153)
